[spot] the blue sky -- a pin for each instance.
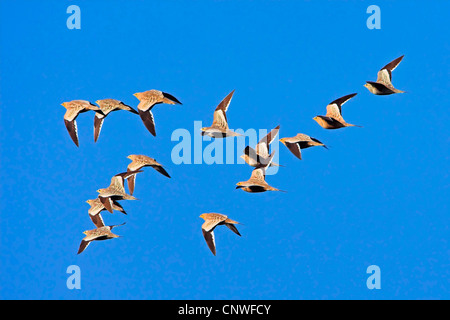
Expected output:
(379, 196)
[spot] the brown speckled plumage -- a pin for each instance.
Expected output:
(212, 220)
(383, 85)
(73, 109)
(148, 100)
(138, 162)
(98, 234)
(116, 190)
(257, 182)
(300, 141)
(107, 106)
(333, 119)
(219, 127)
(259, 157)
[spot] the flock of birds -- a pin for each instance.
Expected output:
(259, 158)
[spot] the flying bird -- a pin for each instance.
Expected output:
(97, 207)
(107, 106)
(138, 162)
(148, 100)
(212, 220)
(300, 141)
(333, 119)
(74, 108)
(219, 127)
(383, 85)
(98, 234)
(257, 181)
(260, 156)
(116, 190)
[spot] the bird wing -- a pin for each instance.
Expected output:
(98, 123)
(233, 228)
(209, 237)
(212, 221)
(71, 127)
(145, 105)
(107, 203)
(117, 206)
(262, 148)
(295, 149)
(334, 109)
(252, 156)
(71, 114)
(384, 76)
(161, 170)
(126, 107)
(97, 220)
(220, 119)
(95, 209)
(131, 182)
(170, 99)
(149, 121)
(117, 182)
(225, 103)
(83, 245)
(258, 174)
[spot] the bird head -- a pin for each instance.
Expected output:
(64, 104)
(203, 216)
(282, 140)
(89, 201)
(100, 190)
(137, 95)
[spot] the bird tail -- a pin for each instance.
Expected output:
(274, 164)
(353, 125)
